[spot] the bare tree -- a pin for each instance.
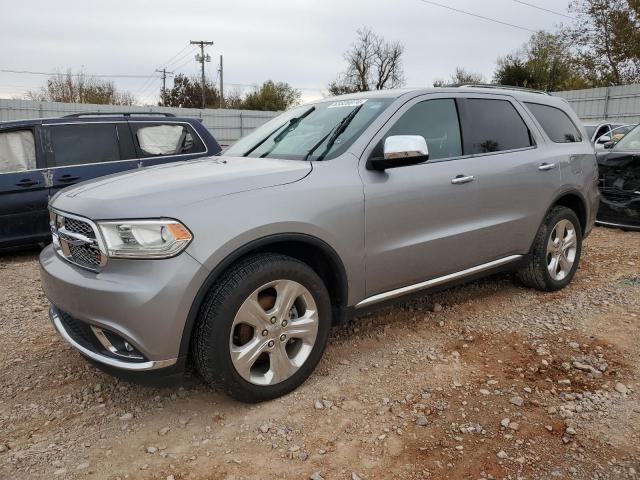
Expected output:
(372, 64)
(459, 77)
(80, 88)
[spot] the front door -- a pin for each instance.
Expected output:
(418, 223)
(23, 188)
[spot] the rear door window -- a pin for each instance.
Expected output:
(492, 125)
(436, 121)
(166, 139)
(17, 151)
(556, 123)
(78, 144)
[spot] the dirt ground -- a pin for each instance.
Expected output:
(485, 381)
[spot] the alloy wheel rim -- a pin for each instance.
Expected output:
(562, 247)
(274, 332)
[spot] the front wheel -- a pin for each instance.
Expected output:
(556, 251)
(263, 327)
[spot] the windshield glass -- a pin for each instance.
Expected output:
(295, 133)
(631, 141)
(591, 129)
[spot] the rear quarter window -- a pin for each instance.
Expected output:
(556, 123)
(167, 139)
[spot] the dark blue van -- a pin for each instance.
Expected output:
(40, 157)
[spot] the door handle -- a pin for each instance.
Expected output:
(68, 178)
(26, 183)
(546, 166)
(459, 179)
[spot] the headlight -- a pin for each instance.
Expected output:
(144, 238)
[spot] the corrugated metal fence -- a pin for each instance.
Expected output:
(619, 104)
(226, 125)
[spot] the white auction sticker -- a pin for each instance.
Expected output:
(347, 103)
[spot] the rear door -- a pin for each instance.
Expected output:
(81, 151)
(23, 188)
(515, 175)
(165, 142)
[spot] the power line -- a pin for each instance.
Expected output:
(179, 59)
(555, 12)
(28, 72)
(170, 59)
(178, 67)
(489, 19)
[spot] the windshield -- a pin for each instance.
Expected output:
(591, 129)
(311, 128)
(631, 141)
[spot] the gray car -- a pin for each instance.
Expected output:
(241, 263)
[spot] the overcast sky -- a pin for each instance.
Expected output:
(300, 42)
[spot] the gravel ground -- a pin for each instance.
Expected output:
(485, 381)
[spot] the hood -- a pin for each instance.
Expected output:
(151, 191)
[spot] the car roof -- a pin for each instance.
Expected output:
(95, 118)
(523, 94)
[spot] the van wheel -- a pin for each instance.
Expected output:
(262, 328)
(556, 252)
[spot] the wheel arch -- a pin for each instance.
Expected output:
(573, 200)
(316, 253)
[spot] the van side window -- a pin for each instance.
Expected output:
(17, 151)
(167, 139)
(555, 123)
(491, 125)
(435, 120)
(84, 143)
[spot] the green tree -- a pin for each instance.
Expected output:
(605, 39)
(512, 70)
(72, 87)
(187, 93)
(544, 62)
(271, 96)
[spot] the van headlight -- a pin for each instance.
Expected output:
(162, 238)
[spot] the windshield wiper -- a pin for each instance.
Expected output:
(291, 125)
(333, 134)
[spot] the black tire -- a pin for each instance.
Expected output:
(535, 273)
(211, 349)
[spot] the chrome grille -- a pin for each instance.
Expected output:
(78, 226)
(76, 240)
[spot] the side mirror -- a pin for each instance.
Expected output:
(401, 151)
(604, 139)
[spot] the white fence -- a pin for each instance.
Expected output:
(227, 126)
(618, 104)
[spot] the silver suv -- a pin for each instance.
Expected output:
(241, 263)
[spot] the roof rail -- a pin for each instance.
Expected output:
(501, 87)
(114, 114)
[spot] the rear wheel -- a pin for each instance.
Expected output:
(263, 327)
(556, 251)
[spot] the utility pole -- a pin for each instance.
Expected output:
(202, 58)
(221, 83)
(164, 84)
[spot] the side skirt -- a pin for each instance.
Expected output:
(435, 282)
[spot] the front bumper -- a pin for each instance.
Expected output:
(142, 302)
(88, 349)
(621, 214)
